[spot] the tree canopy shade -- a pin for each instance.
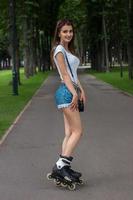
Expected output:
(108, 27)
(4, 43)
(35, 22)
(104, 25)
(104, 32)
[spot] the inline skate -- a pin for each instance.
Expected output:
(62, 177)
(76, 175)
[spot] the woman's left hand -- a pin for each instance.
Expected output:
(83, 97)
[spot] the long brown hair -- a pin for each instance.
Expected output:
(56, 39)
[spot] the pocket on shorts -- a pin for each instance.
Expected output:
(68, 95)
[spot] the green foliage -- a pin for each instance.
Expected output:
(10, 106)
(73, 10)
(4, 42)
(87, 15)
(115, 15)
(48, 15)
(114, 79)
(31, 8)
(3, 48)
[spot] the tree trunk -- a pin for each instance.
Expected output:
(48, 41)
(32, 50)
(120, 58)
(43, 51)
(13, 43)
(26, 49)
(79, 45)
(0, 65)
(130, 39)
(18, 61)
(97, 56)
(38, 47)
(106, 44)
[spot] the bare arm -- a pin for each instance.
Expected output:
(79, 84)
(83, 97)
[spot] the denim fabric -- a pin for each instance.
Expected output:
(63, 97)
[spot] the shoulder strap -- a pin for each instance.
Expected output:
(68, 64)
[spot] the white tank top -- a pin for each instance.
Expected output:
(72, 59)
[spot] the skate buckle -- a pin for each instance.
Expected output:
(67, 178)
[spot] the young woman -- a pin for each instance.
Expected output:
(66, 96)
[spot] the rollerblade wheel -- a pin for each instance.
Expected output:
(57, 182)
(72, 187)
(80, 182)
(63, 184)
(49, 177)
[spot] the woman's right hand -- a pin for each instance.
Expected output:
(74, 103)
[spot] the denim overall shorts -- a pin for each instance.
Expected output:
(63, 97)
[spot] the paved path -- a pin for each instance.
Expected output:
(104, 154)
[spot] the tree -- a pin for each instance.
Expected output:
(106, 21)
(4, 41)
(35, 22)
(29, 19)
(13, 42)
(130, 37)
(48, 18)
(101, 31)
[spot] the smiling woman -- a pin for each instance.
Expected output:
(66, 34)
(66, 99)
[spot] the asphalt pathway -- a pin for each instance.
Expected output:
(104, 154)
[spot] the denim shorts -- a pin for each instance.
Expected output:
(63, 97)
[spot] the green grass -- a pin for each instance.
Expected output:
(10, 106)
(115, 80)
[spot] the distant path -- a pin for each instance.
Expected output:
(104, 155)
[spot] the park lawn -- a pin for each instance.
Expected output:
(115, 80)
(10, 106)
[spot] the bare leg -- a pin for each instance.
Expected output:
(75, 131)
(67, 133)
